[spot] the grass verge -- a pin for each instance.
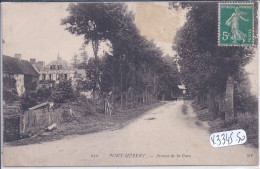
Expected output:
(245, 121)
(91, 123)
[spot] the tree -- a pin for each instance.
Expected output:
(43, 94)
(84, 57)
(28, 99)
(75, 61)
(133, 63)
(62, 92)
(208, 70)
(169, 77)
(97, 22)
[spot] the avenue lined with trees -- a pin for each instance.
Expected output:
(134, 69)
(127, 71)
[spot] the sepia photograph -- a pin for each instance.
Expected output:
(129, 83)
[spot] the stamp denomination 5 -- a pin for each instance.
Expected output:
(235, 24)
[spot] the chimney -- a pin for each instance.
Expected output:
(18, 56)
(32, 61)
(40, 64)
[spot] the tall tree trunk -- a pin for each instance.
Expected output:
(145, 96)
(229, 101)
(211, 104)
(121, 100)
(221, 105)
(126, 98)
(94, 94)
(95, 46)
(121, 83)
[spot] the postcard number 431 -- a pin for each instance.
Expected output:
(228, 138)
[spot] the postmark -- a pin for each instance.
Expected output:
(236, 24)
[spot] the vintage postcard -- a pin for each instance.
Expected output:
(129, 83)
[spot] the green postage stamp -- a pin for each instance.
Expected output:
(235, 24)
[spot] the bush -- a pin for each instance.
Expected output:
(249, 123)
(83, 106)
(245, 121)
(62, 92)
(245, 103)
(28, 99)
(43, 94)
(10, 96)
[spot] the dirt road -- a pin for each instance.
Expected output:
(163, 136)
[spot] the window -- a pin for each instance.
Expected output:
(43, 76)
(50, 76)
(59, 67)
(53, 67)
(65, 76)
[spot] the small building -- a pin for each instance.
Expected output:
(56, 70)
(59, 70)
(183, 90)
(19, 74)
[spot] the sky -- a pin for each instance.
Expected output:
(35, 31)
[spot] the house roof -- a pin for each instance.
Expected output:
(59, 61)
(15, 66)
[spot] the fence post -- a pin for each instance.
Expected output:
(126, 98)
(121, 100)
(145, 95)
(24, 121)
(49, 113)
(143, 98)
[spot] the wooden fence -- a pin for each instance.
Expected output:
(128, 100)
(40, 117)
(11, 120)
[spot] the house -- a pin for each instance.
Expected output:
(183, 90)
(37, 65)
(58, 70)
(19, 74)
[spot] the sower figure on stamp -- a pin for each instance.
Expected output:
(233, 21)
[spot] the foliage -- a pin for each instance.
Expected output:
(244, 101)
(134, 63)
(43, 94)
(9, 82)
(9, 90)
(30, 83)
(75, 61)
(9, 96)
(205, 66)
(169, 77)
(84, 57)
(62, 92)
(97, 22)
(28, 99)
(245, 121)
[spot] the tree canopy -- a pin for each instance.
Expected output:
(135, 62)
(205, 66)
